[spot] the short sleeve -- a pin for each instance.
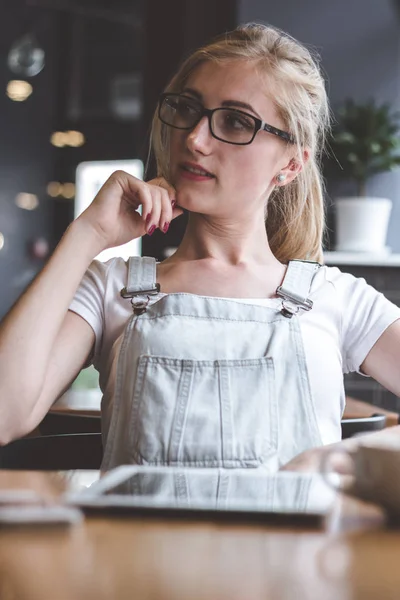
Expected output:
(366, 314)
(88, 301)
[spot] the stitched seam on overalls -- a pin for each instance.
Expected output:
(210, 318)
(309, 406)
(273, 412)
(181, 410)
(230, 463)
(137, 398)
(232, 362)
(303, 493)
(227, 427)
(233, 300)
(120, 375)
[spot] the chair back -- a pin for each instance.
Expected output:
(53, 452)
(352, 427)
(56, 423)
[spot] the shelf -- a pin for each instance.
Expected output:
(366, 259)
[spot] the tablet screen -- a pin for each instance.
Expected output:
(226, 490)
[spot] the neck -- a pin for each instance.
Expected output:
(229, 242)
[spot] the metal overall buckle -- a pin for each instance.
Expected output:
(152, 292)
(291, 306)
(140, 306)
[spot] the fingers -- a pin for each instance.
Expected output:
(163, 183)
(176, 210)
(153, 219)
(157, 198)
(164, 205)
(145, 197)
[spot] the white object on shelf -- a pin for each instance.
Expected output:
(90, 176)
(362, 223)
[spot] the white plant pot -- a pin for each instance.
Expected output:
(362, 224)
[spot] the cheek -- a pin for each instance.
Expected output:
(176, 143)
(253, 171)
(173, 147)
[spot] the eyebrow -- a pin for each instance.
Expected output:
(227, 103)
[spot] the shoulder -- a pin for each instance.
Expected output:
(101, 285)
(114, 268)
(343, 284)
(347, 299)
(103, 277)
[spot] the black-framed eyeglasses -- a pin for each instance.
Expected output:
(229, 125)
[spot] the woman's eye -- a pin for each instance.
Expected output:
(181, 107)
(238, 122)
(185, 108)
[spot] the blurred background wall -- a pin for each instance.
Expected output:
(106, 63)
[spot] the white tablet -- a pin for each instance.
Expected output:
(215, 493)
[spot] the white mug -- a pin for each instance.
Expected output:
(374, 472)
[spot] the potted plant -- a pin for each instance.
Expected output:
(364, 141)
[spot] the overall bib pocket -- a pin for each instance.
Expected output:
(218, 413)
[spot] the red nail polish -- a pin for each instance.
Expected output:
(151, 230)
(166, 227)
(148, 218)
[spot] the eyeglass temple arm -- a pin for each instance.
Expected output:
(275, 131)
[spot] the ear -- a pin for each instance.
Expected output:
(293, 168)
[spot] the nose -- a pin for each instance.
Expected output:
(199, 139)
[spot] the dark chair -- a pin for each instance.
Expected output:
(56, 423)
(352, 427)
(53, 453)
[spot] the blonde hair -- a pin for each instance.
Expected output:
(295, 219)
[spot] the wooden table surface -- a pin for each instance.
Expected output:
(355, 556)
(79, 402)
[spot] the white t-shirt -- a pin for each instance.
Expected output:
(347, 319)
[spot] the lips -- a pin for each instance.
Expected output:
(196, 169)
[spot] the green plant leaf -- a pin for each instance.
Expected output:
(365, 140)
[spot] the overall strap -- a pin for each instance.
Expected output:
(141, 277)
(296, 286)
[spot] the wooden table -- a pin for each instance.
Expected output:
(87, 403)
(79, 402)
(357, 409)
(354, 557)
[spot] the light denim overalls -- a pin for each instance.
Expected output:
(212, 382)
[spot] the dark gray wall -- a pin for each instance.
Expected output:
(359, 43)
(26, 157)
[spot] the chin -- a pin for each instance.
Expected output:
(190, 199)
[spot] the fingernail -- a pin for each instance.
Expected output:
(148, 218)
(166, 227)
(173, 203)
(151, 230)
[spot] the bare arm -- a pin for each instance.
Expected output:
(43, 346)
(383, 360)
(28, 356)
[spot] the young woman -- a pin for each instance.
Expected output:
(231, 352)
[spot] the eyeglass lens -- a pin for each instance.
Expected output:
(226, 124)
